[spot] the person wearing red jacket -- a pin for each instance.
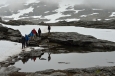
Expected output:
(34, 32)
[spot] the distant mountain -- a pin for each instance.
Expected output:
(52, 12)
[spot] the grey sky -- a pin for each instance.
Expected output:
(101, 3)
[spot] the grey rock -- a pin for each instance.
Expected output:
(35, 74)
(46, 71)
(9, 34)
(7, 70)
(58, 74)
(78, 75)
(79, 40)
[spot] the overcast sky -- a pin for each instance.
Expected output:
(101, 3)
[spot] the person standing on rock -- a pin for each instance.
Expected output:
(35, 33)
(31, 35)
(26, 40)
(49, 28)
(39, 32)
(23, 42)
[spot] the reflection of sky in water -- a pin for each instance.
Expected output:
(75, 60)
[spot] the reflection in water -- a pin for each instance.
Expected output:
(24, 60)
(33, 58)
(41, 55)
(67, 60)
(49, 57)
(49, 53)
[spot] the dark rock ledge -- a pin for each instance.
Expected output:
(9, 34)
(79, 40)
(94, 71)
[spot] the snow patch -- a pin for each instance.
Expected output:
(83, 16)
(4, 5)
(21, 12)
(97, 9)
(112, 15)
(31, 1)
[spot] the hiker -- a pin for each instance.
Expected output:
(26, 40)
(39, 32)
(23, 42)
(31, 35)
(49, 28)
(34, 32)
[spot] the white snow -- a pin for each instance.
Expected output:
(46, 11)
(97, 9)
(83, 16)
(4, 6)
(21, 12)
(63, 4)
(109, 19)
(112, 15)
(93, 13)
(74, 19)
(9, 49)
(31, 1)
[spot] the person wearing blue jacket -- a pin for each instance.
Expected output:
(26, 40)
(31, 35)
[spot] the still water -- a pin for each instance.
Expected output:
(67, 60)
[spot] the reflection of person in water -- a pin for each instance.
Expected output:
(49, 57)
(34, 58)
(41, 55)
(24, 60)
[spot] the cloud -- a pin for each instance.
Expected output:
(101, 3)
(3, 1)
(98, 3)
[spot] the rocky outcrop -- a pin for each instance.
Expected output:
(9, 34)
(79, 40)
(89, 24)
(93, 71)
(96, 24)
(16, 22)
(4, 71)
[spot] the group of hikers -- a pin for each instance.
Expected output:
(33, 34)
